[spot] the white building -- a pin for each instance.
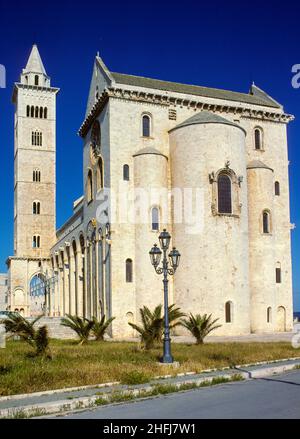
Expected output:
(168, 145)
(3, 292)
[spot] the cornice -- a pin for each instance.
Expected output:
(167, 100)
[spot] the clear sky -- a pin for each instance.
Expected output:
(216, 44)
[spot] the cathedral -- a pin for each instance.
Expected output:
(208, 165)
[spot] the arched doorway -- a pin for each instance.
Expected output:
(37, 295)
(281, 319)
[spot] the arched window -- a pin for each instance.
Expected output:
(36, 80)
(228, 312)
(28, 111)
(155, 218)
(224, 194)
(36, 112)
(89, 186)
(96, 138)
(36, 177)
(278, 273)
(128, 270)
(36, 208)
(258, 138)
(269, 315)
(126, 172)
(266, 222)
(45, 113)
(36, 138)
(146, 125)
(97, 93)
(36, 241)
(277, 188)
(41, 112)
(100, 183)
(32, 111)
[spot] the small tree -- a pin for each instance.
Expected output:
(151, 330)
(81, 326)
(15, 324)
(200, 326)
(100, 327)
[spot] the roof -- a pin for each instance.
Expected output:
(35, 63)
(140, 81)
(148, 150)
(205, 117)
(256, 164)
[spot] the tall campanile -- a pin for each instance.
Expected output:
(35, 179)
(35, 152)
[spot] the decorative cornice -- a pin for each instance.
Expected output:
(167, 100)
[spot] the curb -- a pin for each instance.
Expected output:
(86, 402)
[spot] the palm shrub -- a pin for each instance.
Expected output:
(200, 326)
(80, 325)
(15, 324)
(151, 329)
(100, 327)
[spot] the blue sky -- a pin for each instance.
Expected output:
(217, 44)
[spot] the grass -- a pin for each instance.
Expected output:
(96, 363)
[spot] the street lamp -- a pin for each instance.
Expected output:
(173, 261)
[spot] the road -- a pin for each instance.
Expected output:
(275, 397)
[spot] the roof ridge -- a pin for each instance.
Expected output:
(258, 100)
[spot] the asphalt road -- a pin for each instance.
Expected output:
(275, 397)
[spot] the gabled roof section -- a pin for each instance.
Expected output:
(101, 79)
(205, 117)
(35, 63)
(138, 81)
(256, 91)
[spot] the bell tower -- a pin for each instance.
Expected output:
(34, 159)
(34, 187)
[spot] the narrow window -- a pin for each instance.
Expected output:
(45, 113)
(126, 172)
(258, 138)
(269, 315)
(36, 208)
(146, 125)
(224, 194)
(36, 80)
(36, 242)
(128, 270)
(100, 174)
(36, 177)
(266, 222)
(89, 186)
(277, 188)
(155, 219)
(228, 312)
(278, 275)
(33, 142)
(27, 111)
(36, 112)
(41, 112)
(32, 111)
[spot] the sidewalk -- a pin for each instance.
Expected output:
(64, 400)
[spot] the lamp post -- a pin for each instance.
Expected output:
(173, 261)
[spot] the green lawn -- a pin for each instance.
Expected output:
(95, 363)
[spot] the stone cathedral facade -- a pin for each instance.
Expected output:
(209, 165)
